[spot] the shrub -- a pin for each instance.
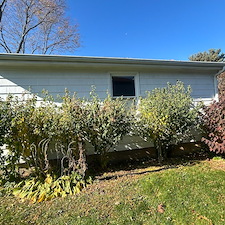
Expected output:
(214, 124)
(40, 127)
(35, 128)
(108, 122)
(8, 162)
(9, 167)
(72, 134)
(31, 130)
(167, 115)
(4, 120)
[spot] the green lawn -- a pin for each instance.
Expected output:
(193, 193)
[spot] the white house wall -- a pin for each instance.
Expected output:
(55, 81)
(17, 80)
(202, 84)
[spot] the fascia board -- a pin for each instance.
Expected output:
(104, 62)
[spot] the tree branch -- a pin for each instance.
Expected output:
(33, 26)
(2, 6)
(25, 32)
(4, 44)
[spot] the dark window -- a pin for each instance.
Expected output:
(123, 86)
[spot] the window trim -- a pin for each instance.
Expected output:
(125, 74)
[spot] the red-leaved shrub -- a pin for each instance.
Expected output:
(214, 122)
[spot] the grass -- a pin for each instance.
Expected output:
(192, 193)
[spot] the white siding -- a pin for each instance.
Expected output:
(16, 81)
(127, 143)
(55, 82)
(202, 84)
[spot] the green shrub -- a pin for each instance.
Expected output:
(214, 124)
(4, 120)
(35, 128)
(167, 115)
(8, 162)
(9, 169)
(32, 129)
(108, 122)
(72, 134)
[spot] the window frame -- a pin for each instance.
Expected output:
(125, 74)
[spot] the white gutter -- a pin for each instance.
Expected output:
(221, 71)
(6, 59)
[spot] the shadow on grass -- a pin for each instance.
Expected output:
(134, 173)
(130, 168)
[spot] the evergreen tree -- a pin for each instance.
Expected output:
(213, 55)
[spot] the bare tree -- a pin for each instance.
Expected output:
(36, 26)
(2, 6)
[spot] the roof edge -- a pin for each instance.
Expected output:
(111, 60)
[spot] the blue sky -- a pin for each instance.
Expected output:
(153, 29)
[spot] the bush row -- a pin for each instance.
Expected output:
(30, 129)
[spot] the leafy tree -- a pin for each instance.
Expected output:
(36, 26)
(166, 116)
(213, 55)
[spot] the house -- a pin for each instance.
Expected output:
(119, 76)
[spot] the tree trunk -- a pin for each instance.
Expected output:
(159, 148)
(82, 162)
(104, 160)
